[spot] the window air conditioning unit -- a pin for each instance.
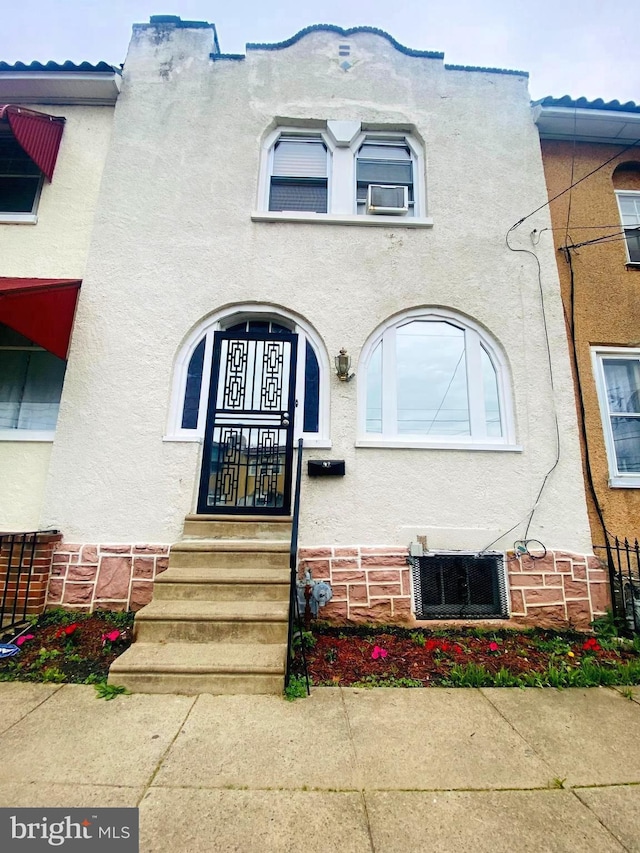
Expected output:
(387, 199)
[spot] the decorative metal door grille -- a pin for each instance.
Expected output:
(248, 446)
(459, 586)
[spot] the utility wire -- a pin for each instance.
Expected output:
(573, 163)
(575, 184)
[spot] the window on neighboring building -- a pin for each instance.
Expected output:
(629, 204)
(30, 384)
(618, 382)
(386, 164)
(20, 178)
(299, 175)
(626, 181)
(434, 377)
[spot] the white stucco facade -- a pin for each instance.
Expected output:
(179, 236)
(53, 246)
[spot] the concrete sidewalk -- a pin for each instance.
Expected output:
(384, 770)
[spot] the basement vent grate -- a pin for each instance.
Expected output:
(459, 586)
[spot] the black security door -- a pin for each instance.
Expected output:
(248, 446)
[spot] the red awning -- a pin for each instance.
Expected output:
(38, 134)
(41, 309)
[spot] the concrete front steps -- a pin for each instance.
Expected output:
(219, 617)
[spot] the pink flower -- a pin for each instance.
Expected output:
(23, 639)
(379, 653)
(493, 646)
(112, 636)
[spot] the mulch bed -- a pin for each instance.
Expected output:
(348, 656)
(56, 651)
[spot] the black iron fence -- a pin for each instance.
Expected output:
(623, 561)
(17, 568)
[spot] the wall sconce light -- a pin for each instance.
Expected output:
(343, 366)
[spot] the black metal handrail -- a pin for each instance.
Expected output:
(17, 552)
(294, 606)
(623, 562)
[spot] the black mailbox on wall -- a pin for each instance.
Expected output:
(325, 467)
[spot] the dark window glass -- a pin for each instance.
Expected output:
(298, 194)
(192, 392)
(633, 244)
(311, 391)
(19, 177)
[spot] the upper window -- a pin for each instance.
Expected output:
(434, 378)
(30, 384)
(384, 177)
(299, 175)
(626, 180)
(618, 383)
(342, 174)
(20, 178)
(629, 204)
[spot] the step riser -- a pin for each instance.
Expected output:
(236, 530)
(160, 630)
(227, 560)
(221, 591)
(190, 685)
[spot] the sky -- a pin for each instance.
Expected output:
(576, 47)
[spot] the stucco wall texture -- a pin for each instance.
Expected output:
(55, 247)
(607, 297)
(174, 242)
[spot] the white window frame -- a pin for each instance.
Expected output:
(475, 336)
(229, 317)
(418, 170)
(21, 434)
(635, 194)
(13, 217)
(617, 479)
(266, 166)
(341, 180)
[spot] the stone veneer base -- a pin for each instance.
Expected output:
(558, 590)
(89, 577)
(370, 584)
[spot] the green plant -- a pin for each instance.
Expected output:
(331, 655)
(606, 626)
(418, 638)
(505, 678)
(295, 689)
(44, 655)
(370, 681)
(627, 692)
(93, 678)
(470, 675)
(109, 691)
(52, 674)
(558, 782)
(305, 638)
(118, 618)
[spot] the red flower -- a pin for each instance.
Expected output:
(493, 646)
(23, 639)
(458, 650)
(592, 645)
(68, 631)
(379, 653)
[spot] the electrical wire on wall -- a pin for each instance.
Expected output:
(523, 546)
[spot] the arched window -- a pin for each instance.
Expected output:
(435, 379)
(193, 373)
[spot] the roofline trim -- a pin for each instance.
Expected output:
(332, 28)
(508, 71)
